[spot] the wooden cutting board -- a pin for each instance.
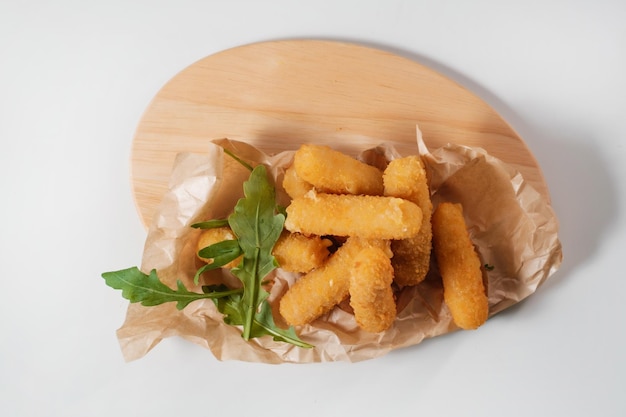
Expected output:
(277, 95)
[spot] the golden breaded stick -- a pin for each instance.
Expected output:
(331, 171)
(406, 178)
(371, 296)
(368, 217)
(298, 253)
(319, 291)
(210, 236)
(294, 185)
(463, 289)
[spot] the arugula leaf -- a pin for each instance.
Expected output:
(263, 323)
(221, 253)
(230, 307)
(211, 224)
(236, 158)
(257, 225)
(150, 291)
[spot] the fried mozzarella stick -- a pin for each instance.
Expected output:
(298, 253)
(406, 178)
(294, 185)
(319, 291)
(331, 171)
(463, 289)
(368, 217)
(371, 296)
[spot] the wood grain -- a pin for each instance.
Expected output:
(277, 95)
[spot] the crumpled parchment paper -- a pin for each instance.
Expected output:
(513, 227)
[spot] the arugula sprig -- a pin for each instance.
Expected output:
(257, 222)
(257, 225)
(220, 253)
(148, 290)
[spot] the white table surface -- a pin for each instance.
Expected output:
(75, 77)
